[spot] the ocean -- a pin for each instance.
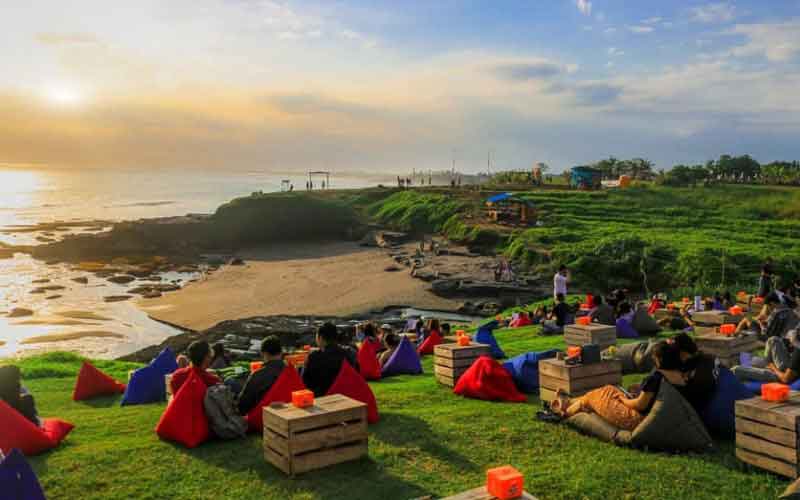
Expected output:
(30, 196)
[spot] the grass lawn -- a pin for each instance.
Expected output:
(429, 442)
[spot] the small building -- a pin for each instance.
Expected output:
(584, 177)
(506, 207)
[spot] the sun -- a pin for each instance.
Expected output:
(64, 96)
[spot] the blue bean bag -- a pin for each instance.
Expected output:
(524, 369)
(147, 384)
(718, 416)
(17, 479)
(484, 335)
(625, 330)
(404, 361)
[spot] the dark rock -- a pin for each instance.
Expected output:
(121, 279)
(391, 269)
(19, 312)
(53, 297)
(236, 261)
(81, 279)
(116, 298)
(43, 280)
(37, 291)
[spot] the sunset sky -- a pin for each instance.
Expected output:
(395, 85)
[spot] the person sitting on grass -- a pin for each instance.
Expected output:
(655, 304)
(781, 362)
(774, 320)
(521, 320)
(200, 358)
(219, 358)
(391, 341)
(602, 312)
(539, 315)
(683, 321)
(15, 395)
(700, 369)
(616, 407)
(322, 366)
(557, 318)
(260, 381)
(446, 328)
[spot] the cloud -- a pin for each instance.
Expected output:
(778, 42)
(584, 6)
(525, 71)
(610, 31)
(355, 36)
(641, 29)
(615, 52)
(713, 13)
(652, 20)
(66, 38)
(596, 94)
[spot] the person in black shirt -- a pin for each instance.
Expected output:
(323, 366)
(260, 381)
(12, 392)
(700, 370)
(558, 316)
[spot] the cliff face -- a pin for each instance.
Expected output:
(254, 220)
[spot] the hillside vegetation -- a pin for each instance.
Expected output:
(654, 238)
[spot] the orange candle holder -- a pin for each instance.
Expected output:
(460, 333)
(583, 320)
(505, 483)
(463, 340)
(573, 351)
(728, 329)
(775, 392)
(735, 310)
(303, 399)
(255, 366)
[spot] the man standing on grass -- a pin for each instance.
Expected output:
(560, 281)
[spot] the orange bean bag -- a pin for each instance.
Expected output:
(429, 343)
(349, 383)
(184, 421)
(281, 391)
(368, 361)
(92, 383)
(487, 379)
(19, 432)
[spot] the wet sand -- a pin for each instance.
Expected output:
(295, 279)
(60, 337)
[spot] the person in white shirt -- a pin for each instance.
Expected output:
(560, 281)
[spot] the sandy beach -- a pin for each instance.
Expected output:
(338, 278)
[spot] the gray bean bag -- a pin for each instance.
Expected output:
(672, 425)
(643, 323)
(635, 357)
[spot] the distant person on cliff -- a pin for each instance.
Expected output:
(558, 317)
(219, 358)
(15, 395)
(391, 341)
(322, 366)
(200, 358)
(560, 281)
(260, 381)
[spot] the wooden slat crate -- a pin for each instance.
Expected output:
(727, 349)
(715, 318)
(767, 432)
(603, 335)
(576, 380)
(666, 313)
(298, 440)
(450, 361)
(482, 494)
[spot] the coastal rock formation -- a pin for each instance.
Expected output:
(121, 279)
(19, 312)
(117, 298)
(81, 279)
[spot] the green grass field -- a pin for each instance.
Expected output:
(428, 442)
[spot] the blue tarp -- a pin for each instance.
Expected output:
(147, 384)
(17, 479)
(524, 369)
(404, 361)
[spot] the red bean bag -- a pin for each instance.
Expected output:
(288, 382)
(487, 379)
(349, 383)
(184, 421)
(92, 383)
(19, 432)
(368, 361)
(429, 343)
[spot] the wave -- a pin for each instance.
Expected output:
(142, 204)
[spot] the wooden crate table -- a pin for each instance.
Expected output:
(450, 361)
(716, 318)
(298, 440)
(727, 349)
(578, 335)
(767, 432)
(482, 494)
(663, 312)
(576, 380)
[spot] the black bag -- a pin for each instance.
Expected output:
(590, 353)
